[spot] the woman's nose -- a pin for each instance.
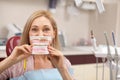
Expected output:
(40, 33)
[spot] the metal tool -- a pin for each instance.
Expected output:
(109, 56)
(116, 57)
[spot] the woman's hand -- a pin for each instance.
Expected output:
(56, 57)
(21, 52)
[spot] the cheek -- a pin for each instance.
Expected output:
(52, 38)
(30, 41)
(53, 34)
(50, 34)
(31, 33)
(50, 41)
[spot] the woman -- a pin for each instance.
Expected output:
(53, 66)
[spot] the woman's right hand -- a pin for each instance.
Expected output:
(21, 52)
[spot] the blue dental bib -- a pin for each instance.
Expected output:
(42, 74)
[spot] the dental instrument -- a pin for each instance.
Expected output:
(109, 57)
(116, 57)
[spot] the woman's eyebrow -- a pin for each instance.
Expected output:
(46, 26)
(34, 26)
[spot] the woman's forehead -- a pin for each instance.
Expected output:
(41, 20)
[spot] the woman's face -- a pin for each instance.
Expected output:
(41, 26)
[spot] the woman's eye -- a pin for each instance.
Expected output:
(46, 29)
(34, 29)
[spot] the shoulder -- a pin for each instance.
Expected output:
(67, 62)
(69, 66)
(16, 69)
(11, 72)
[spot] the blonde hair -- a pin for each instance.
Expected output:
(25, 34)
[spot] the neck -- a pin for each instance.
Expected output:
(41, 57)
(42, 61)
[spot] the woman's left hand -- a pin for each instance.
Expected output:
(56, 57)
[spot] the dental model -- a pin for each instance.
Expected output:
(40, 44)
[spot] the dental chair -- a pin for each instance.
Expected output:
(11, 43)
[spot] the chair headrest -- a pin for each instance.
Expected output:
(11, 43)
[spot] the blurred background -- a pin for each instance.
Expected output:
(75, 20)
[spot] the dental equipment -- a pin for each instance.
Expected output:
(13, 29)
(100, 6)
(93, 41)
(116, 57)
(109, 57)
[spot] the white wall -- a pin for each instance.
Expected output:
(118, 23)
(106, 22)
(17, 11)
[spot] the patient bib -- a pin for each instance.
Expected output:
(42, 74)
